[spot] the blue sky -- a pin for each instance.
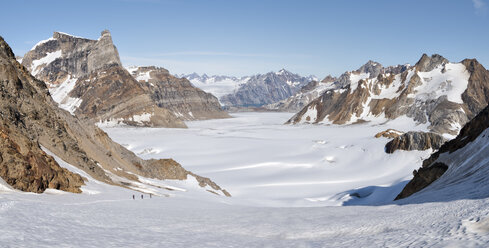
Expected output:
(246, 37)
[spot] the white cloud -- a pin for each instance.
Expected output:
(480, 6)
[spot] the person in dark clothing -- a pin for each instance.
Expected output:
(141, 196)
(133, 197)
(150, 195)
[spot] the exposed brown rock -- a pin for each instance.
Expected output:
(389, 133)
(476, 97)
(24, 166)
(415, 141)
(113, 94)
(178, 95)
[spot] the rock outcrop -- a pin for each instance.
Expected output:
(266, 89)
(460, 163)
(86, 78)
(436, 92)
(30, 120)
(389, 133)
(415, 141)
(177, 94)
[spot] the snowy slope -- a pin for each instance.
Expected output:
(107, 216)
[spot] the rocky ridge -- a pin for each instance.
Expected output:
(30, 121)
(434, 92)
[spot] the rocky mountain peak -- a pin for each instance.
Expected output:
(328, 79)
(5, 50)
(53, 59)
(104, 53)
(371, 67)
(105, 33)
(428, 63)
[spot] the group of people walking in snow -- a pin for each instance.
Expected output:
(142, 196)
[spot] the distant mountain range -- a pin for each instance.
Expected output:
(254, 91)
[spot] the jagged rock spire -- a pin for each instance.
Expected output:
(427, 63)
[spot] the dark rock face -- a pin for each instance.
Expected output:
(178, 95)
(415, 141)
(427, 63)
(266, 89)
(422, 178)
(476, 97)
(426, 174)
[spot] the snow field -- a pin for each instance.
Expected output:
(262, 162)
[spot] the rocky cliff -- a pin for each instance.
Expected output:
(434, 92)
(266, 89)
(30, 120)
(177, 94)
(458, 169)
